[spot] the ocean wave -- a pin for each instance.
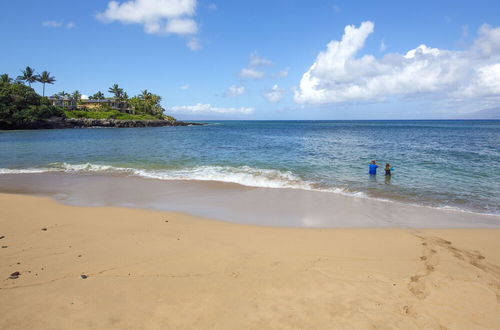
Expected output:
(23, 170)
(243, 175)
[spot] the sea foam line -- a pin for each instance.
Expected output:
(244, 175)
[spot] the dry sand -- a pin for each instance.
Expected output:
(166, 270)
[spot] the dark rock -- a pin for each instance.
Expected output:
(4, 246)
(44, 229)
(2, 237)
(58, 122)
(14, 275)
(84, 276)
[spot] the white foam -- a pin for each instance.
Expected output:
(23, 170)
(244, 175)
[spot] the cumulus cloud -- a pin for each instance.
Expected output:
(200, 108)
(338, 75)
(157, 16)
(275, 94)
(251, 73)
(234, 90)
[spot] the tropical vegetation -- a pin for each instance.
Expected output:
(20, 105)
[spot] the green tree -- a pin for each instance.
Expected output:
(147, 103)
(28, 75)
(63, 94)
(97, 96)
(45, 78)
(5, 78)
(76, 97)
(116, 91)
(21, 106)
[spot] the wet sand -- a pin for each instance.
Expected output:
(240, 204)
(147, 269)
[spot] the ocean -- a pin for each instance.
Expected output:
(444, 164)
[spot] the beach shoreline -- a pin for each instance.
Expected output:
(238, 203)
(147, 269)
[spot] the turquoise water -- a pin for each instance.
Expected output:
(451, 164)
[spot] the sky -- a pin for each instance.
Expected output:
(272, 59)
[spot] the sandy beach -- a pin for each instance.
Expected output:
(165, 270)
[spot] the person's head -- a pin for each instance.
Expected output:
(387, 165)
(373, 162)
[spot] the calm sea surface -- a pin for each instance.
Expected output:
(451, 164)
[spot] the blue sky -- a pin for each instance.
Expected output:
(252, 59)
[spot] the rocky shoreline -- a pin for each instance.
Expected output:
(58, 123)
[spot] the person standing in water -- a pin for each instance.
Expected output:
(372, 169)
(388, 169)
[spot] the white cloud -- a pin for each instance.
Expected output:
(58, 24)
(251, 73)
(256, 60)
(284, 73)
(383, 46)
(338, 75)
(53, 24)
(275, 94)
(84, 97)
(194, 44)
(235, 91)
(207, 108)
(157, 16)
(184, 87)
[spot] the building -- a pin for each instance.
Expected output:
(88, 104)
(63, 102)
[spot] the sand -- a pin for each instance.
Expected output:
(166, 270)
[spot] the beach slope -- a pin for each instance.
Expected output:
(118, 268)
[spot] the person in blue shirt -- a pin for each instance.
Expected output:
(373, 168)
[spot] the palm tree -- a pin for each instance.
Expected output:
(97, 96)
(125, 96)
(145, 95)
(28, 75)
(45, 78)
(116, 91)
(76, 97)
(5, 78)
(63, 94)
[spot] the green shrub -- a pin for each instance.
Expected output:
(20, 106)
(112, 114)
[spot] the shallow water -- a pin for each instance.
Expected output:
(451, 164)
